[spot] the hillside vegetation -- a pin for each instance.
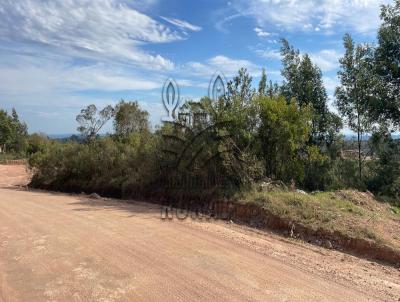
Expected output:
(351, 213)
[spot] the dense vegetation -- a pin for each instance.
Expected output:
(13, 135)
(270, 133)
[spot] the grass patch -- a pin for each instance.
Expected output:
(352, 213)
(396, 211)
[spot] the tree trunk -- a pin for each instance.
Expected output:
(359, 136)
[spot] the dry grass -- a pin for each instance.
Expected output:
(356, 214)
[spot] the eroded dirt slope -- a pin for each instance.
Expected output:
(57, 247)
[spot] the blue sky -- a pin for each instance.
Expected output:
(57, 56)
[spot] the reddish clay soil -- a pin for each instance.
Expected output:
(58, 247)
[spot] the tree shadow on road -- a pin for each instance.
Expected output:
(87, 204)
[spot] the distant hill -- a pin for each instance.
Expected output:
(61, 136)
(353, 137)
(66, 137)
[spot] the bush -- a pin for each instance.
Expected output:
(104, 166)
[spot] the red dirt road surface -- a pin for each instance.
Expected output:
(59, 247)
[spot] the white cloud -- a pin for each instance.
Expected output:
(261, 33)
(326, 59)
(330, 84)
(228, 66)
(358, 15)
(269, 54)
(109, 29)
(49, 93)
(34, 76)
(143, 5)
(184, 25)
(192, 83)
(223, 21)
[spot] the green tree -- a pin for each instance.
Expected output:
(386, 108)
(273, 89)
(129, 118)
(240, 109)
(356, 90)
(316, 166)
(6, 130)
(283, 132)
(91, 120)
(37, 142)
(214, 150)
(290, 71)
(20, 133)
(239, 89)
(13, 132)
(303, 81)
(386, 168)
(262, 86)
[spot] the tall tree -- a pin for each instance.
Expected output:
(239, 89)
(273, 89)
(386, 168)
(240, 108)
(6, 130)
(356, 89)
(303, 81)
(387, 62)
(13, 132)
(262, 86)
(20, 133)
(290, 70)
(91, 120)
(129, 118)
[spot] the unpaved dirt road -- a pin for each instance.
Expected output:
(58, 247)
